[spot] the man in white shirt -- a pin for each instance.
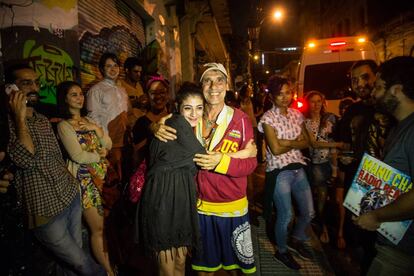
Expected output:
(108, 105)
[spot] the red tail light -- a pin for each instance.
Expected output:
(299, 104)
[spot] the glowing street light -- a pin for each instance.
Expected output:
(256, 57)
(278, 14)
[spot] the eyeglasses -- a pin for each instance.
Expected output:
(29, 83)
(158, 92)
(218, 81)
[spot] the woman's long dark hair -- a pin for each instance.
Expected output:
(62, 107)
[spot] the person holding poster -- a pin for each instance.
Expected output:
(394, 93)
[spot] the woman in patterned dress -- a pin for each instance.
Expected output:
(87, 146)
(320, 125)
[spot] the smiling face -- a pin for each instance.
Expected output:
(111, 69)
(28, 82)
(75, 99)
(284, 98)
(214, 87)
(158, 95)
(363, 80)
(192, 109)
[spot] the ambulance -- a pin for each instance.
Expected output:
(325, 66)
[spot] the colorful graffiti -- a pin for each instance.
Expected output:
(53, 65)
(117, 39)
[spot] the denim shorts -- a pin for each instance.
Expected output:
(321, 173)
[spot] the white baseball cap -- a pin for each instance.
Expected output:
(214, 66)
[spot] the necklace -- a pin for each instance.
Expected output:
(210, 123)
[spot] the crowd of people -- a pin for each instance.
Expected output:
(199, 149)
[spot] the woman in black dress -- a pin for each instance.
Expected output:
(167, 212)
(168, 216)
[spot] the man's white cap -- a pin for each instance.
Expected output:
(214, 66)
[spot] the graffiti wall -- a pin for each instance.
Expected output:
(107, 26)
(118, 40)
(54, 59)
(44, 34)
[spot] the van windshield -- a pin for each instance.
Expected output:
(332, 79)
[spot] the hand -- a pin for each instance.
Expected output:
(346, 160)
(300, 137)
(208, 161)
(367, 221)
(102, 152)
(163, 132)
(5, 182)
(18, 107)
(251, 148)
(87, 125)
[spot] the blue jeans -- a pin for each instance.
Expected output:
(62, 235)
(288, 183)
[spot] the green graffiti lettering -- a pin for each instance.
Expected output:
(52, 64)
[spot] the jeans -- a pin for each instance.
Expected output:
(288, 183)
(62, 235)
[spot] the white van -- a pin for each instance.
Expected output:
(325, 65)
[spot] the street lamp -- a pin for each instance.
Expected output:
(278, 14)
(253, 32)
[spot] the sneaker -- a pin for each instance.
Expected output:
(299, 248)
(287, 260)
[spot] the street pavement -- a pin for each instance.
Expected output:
(327, 259)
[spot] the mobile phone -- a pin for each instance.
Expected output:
(10, 88)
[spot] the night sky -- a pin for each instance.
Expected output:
(272, 34)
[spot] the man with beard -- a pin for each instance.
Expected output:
(394, 93)
(48, 192)
(363, 129)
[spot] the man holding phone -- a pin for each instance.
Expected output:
(48, 192)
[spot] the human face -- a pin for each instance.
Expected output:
(111, 69)
(363, 80)
(214, 87)
(192, 109)
(383, 98)
(158, 94)
(75, 99)
(315, 104)
(284, 99)
(28, 82)
(135, 73)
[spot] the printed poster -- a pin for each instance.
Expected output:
(377, 184)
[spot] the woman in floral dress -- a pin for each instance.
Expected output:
(86, 145)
